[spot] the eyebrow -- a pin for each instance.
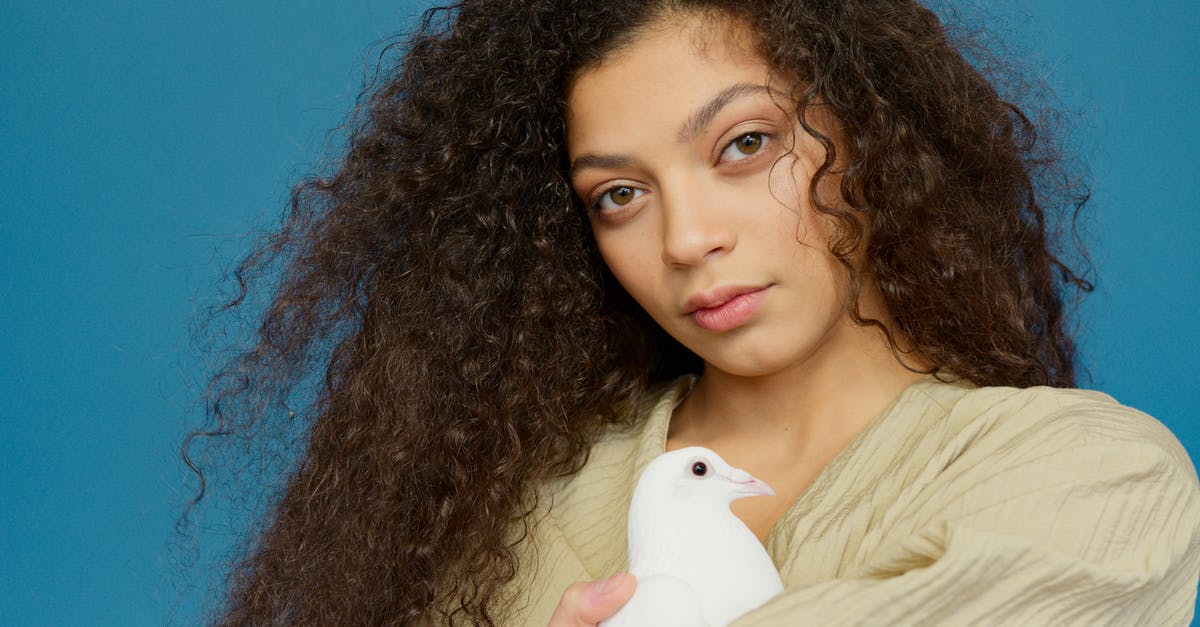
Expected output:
(598, 161)
(704, 115)
(695, 123)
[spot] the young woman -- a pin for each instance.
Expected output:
(569, 236)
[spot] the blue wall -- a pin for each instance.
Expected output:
(142, 144)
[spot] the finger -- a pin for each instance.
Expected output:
(585, 604)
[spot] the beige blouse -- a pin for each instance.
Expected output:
(956, 506)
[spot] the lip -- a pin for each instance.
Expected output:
(724, 308)
(717, 296)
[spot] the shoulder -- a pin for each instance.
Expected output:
(588, 509)
(1037, 505)
(617, 456)
(615, 459)
(1093, 491)
(1024, 423)
(577, 532)
(1064, 468)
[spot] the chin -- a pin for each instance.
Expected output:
(746, 366)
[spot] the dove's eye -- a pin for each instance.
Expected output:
(699, 469)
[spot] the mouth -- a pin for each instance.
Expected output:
(725, 308)
(717, 297)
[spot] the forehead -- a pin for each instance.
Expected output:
(660, 75)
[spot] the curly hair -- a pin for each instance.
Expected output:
(445, 281)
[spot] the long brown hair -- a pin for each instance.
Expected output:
(444, 282)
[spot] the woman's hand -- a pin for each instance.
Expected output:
(584, 604)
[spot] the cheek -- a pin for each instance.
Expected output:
(801, 233)
(791, 185)
(796, 171)
(795, 223)
(627, 259)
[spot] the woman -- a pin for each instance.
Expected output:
(568, 236)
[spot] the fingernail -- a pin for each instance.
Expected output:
(608, 584)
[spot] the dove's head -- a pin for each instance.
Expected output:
(697, 475)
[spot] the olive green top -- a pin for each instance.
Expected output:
(957, 505)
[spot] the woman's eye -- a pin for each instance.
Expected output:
(616, 197)
(744, 146)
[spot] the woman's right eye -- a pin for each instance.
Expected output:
(615, 197)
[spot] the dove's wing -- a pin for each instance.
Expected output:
(660, 601)
(735, 576)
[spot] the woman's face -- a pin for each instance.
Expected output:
(696, 178)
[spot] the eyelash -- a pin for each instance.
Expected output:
(765, 138)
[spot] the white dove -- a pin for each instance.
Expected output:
(696, 563)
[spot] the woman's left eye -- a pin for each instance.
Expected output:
(746, 145)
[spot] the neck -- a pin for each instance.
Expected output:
(818, 404)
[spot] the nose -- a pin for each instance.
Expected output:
(696, 225)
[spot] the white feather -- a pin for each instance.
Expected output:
(697, 564)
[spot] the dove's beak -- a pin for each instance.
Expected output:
(755, 487)
(747, 485)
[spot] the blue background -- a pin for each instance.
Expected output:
(144, 144)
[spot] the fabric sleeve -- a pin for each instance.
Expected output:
(1103, 533)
